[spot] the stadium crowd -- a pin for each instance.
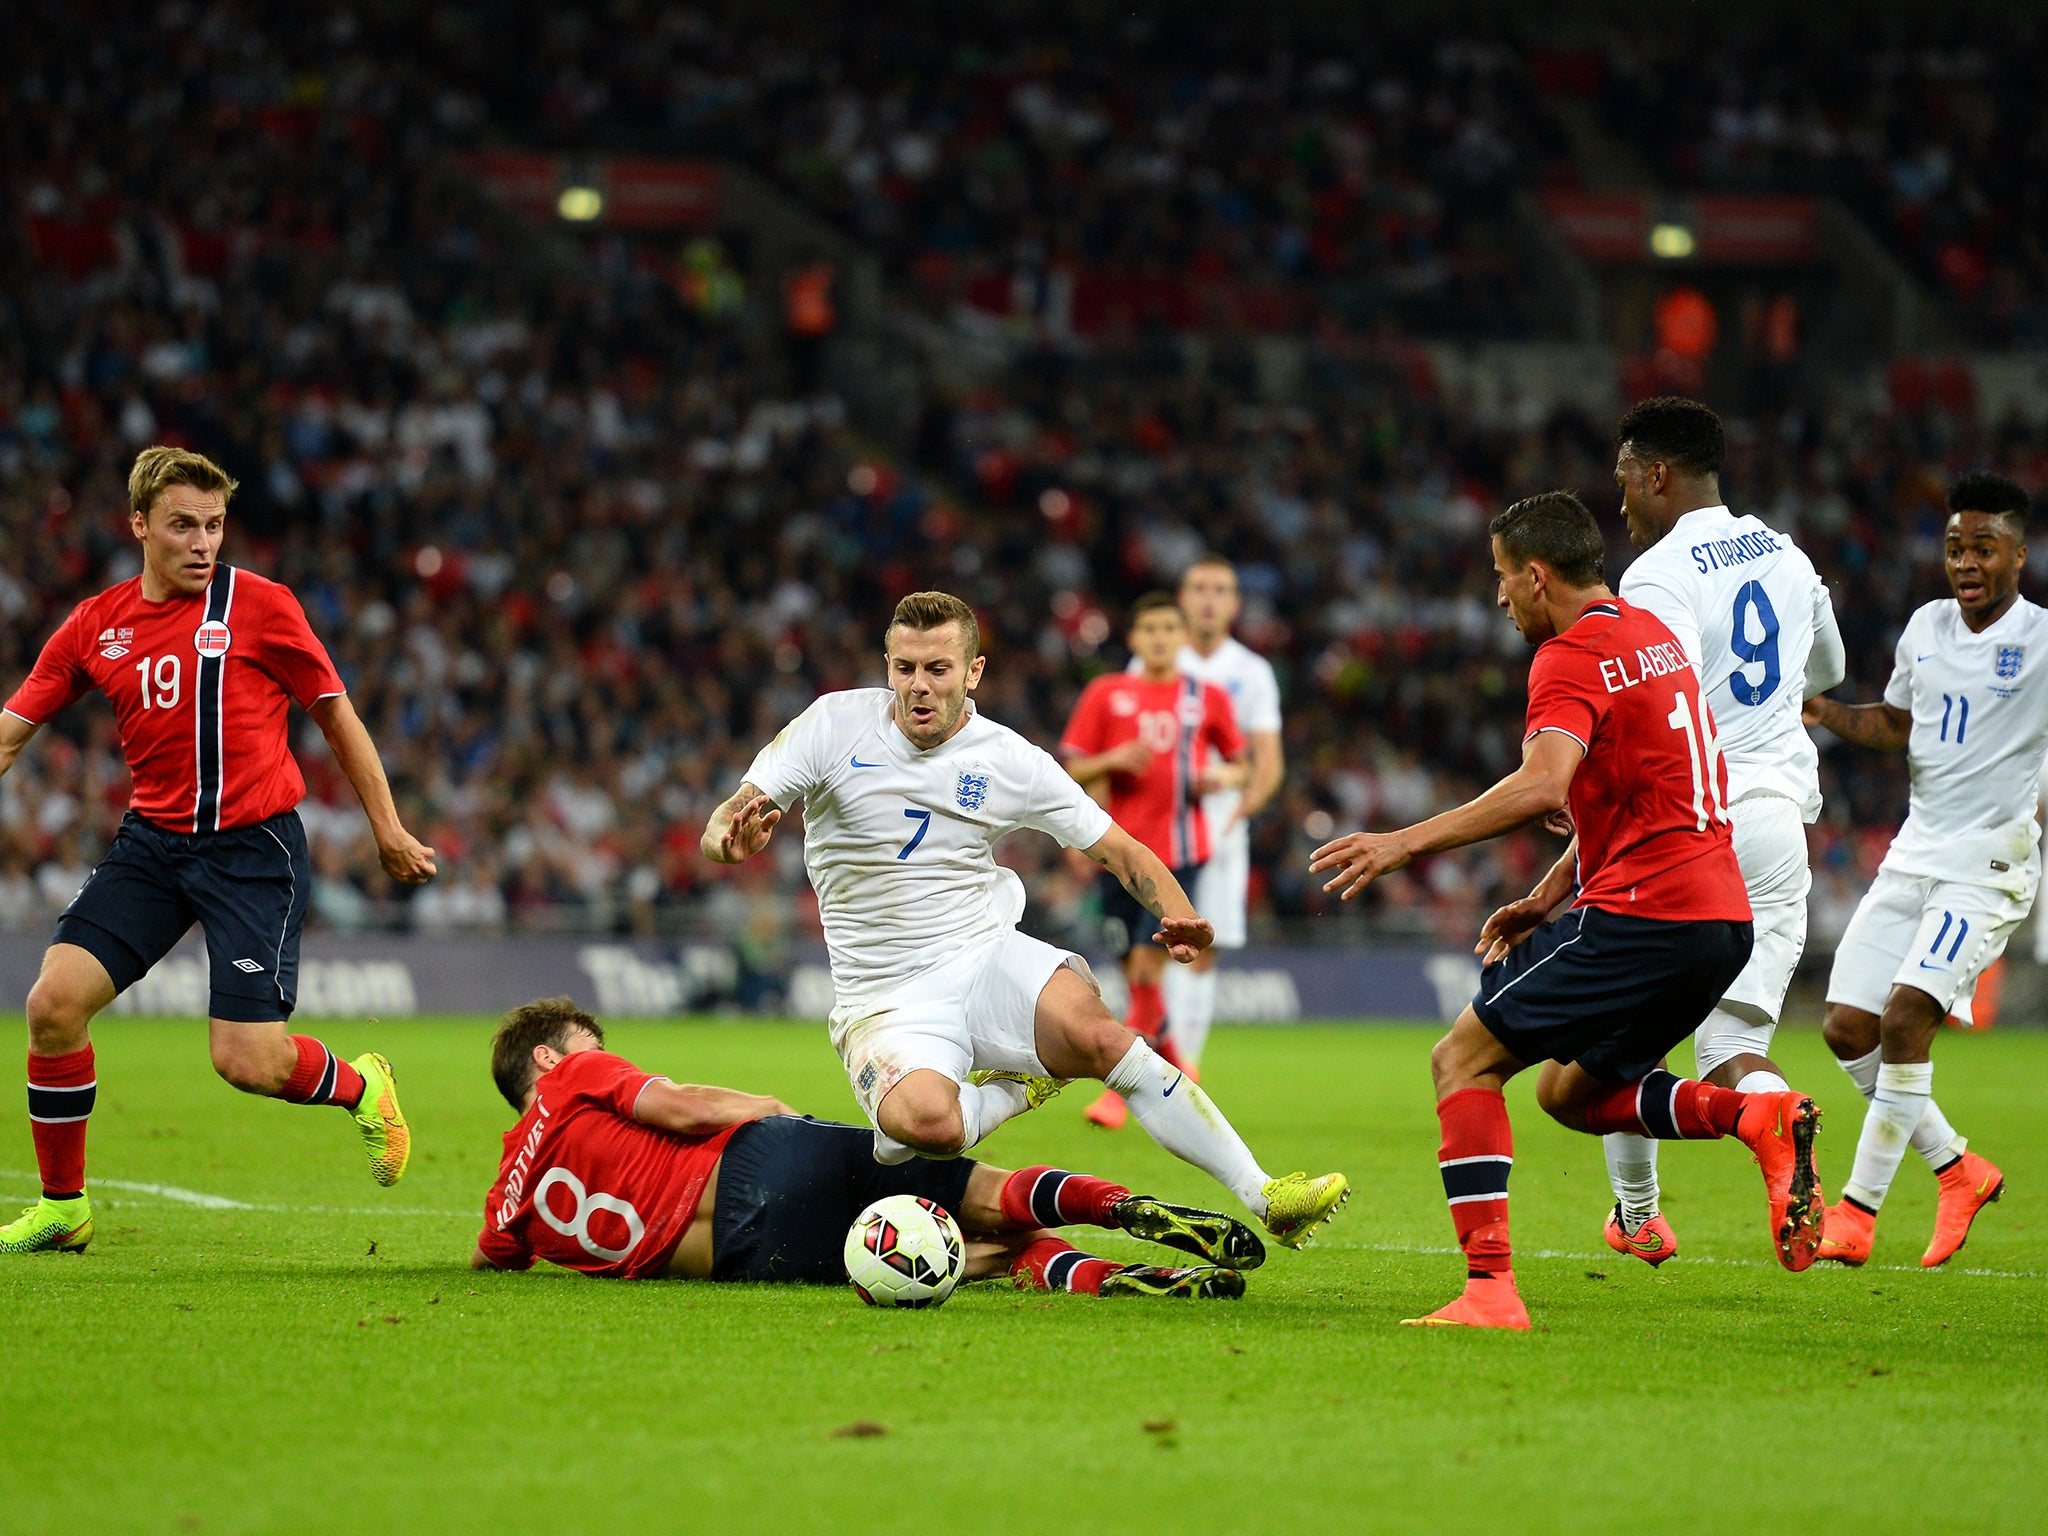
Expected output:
(1938, 136)
(579, 542)
(1099, 172)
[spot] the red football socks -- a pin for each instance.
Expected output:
(1146, 1016)
(61, 1090)
(321, 1077)
(1668, 1108)
(1051, 1265)
(1052, 1197)
(1477, 1154)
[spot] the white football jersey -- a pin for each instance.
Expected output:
(1980, 727)
(1247, 677)
(1743, 601)
(899, 843)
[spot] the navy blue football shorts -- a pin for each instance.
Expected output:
(247, 889)
(789, 1188)
(1610, 992)
(1125, 922)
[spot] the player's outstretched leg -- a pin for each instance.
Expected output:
(262, 1058)
(1052, 1197)
(1177, 1114)
(1051, 1264)
(1778, 1129)
(1077, 1037)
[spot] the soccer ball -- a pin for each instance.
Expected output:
(904, 1251)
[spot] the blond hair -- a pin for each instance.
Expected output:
(158, 469)
(931, 610)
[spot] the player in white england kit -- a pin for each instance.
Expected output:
(950, 1021)
(1755, 620)
(1968, 700)
(1209, 600)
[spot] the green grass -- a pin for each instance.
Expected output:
(325, 1362)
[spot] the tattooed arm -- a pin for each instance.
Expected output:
(1182, 932)
(1883, 726)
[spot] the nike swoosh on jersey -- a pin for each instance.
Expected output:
(859, 764)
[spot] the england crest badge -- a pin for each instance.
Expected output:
(2010, 660)
(970, 790)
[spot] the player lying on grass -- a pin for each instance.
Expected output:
(614, 1171)
(1968, 701)
(1617, 732)
(949, 1020)
(201, 663)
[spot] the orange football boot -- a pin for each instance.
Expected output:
(1653, 1242)
(1489, 1303)
(1846, 1234)
(1967, 1185)
(1778, 1128)
(1110, 1111)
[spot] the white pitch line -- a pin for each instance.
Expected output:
(172, 1194)
(1698, 1258)
(181, 1196)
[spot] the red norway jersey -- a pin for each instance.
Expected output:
(202, 687)
(1181, 722)
(1650, 799)
(585, 1185)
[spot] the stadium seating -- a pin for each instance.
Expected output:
(579, 541)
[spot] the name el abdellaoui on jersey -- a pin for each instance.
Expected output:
(1744, 602)
(1247, 677)
(1980, 726)
(899, 843)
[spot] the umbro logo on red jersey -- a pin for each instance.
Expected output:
(114, 641)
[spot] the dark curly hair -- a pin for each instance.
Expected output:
(1683, 433)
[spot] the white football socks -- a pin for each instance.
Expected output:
(1901, 1098)
(1761, 1081)
(1934, 1138)
(1182, 1119)
(1632, 1171)
(985, 1106)
(1190, 1009)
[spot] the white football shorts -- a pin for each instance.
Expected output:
(974, 1012)
(1770, 848)
(1222, 889)
(1917, 931)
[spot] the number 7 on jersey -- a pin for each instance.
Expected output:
(924, 825)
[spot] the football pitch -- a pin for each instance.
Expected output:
(260, 1339)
